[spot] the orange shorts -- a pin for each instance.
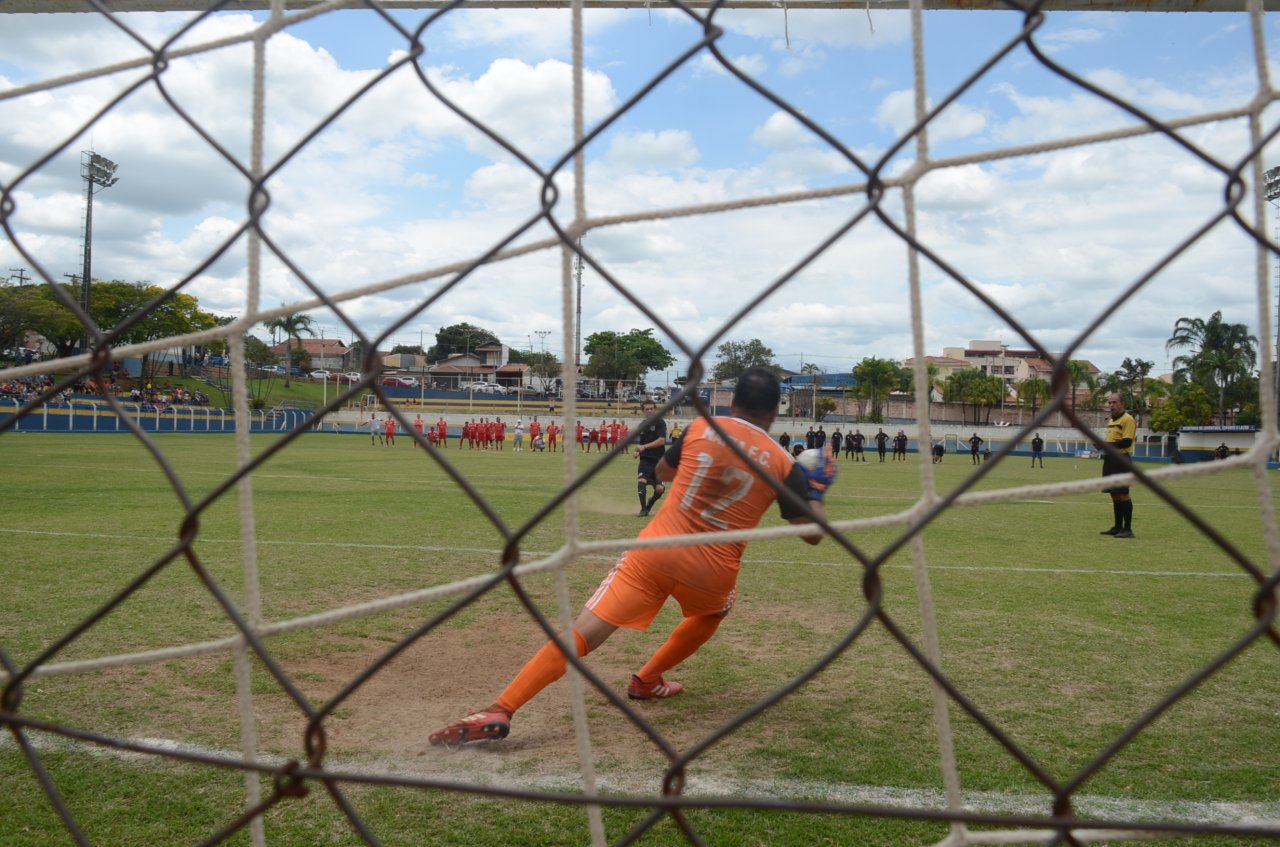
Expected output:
(633, 592)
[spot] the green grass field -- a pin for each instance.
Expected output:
(1060, 636)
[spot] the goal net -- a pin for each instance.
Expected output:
(838, 173)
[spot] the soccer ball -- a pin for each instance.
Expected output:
(811, 460)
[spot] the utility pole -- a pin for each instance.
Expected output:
(577, 330)
(1271, 191)
(21, 274)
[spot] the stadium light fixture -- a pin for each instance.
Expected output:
(97, 171)
(1271, 184)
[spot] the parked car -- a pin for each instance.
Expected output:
(321, 375)
(349, 376)
(400, 381)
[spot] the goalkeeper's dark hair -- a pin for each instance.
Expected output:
(758, 392)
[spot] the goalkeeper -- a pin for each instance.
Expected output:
(713, 491)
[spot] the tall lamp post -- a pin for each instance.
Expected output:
(98, 171)
(542, 341)
(1271, 190)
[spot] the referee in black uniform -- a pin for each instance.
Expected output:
(651, 441)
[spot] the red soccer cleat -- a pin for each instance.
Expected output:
(490, 723)
(660, 690)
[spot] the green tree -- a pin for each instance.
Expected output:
(734, 357)
(616, 357)
(24, 309)
(459, 338)
(139, 310)
(136, 312)
(1033, 391)
(410, 349)
(256, 351)
(1220, 357)
(1078, 374)
(907, 378)
(545, 367)
(293, 326)
(971, 387)
(875, 379)
(1188, 405)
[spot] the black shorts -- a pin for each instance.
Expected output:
(1112, 465)
(647, 471)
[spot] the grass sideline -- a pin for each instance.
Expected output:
(1060, 635)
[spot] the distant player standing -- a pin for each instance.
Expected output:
(975, 446)
(651, 441)
(882, 438)
(417, 427)
(553, 432)
(375, 429)
(1122, 429)
(1037, 450)
(714, 490)
(389, 432)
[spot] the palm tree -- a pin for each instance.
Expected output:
(972, 387)
(1034, 391)
(814, 372)
(876, 380)
(1221, 355)
(293, 326)
(1078, 373)
(1133, 374)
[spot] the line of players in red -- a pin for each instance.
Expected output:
(485, 434)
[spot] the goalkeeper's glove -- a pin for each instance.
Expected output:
(819, 478)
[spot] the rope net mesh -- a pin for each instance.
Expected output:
(881, 201)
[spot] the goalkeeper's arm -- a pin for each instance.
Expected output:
(814, 484)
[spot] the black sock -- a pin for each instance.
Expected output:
(1126, 513)
(1117, 511)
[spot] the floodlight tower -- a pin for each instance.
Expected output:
(98, 171)
(1271, 190)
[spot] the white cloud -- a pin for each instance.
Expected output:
(842, 28)
(781, 129)
(521, 32)
(665, 149)
(753, 64)
(896, 112)
(398, 183)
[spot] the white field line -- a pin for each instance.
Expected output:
(496, 552)
(698, 785)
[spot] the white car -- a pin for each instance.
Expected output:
(321, 375)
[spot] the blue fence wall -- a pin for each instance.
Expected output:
(92, 417)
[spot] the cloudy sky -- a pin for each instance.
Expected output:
(398, 184)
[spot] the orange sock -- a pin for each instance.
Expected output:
(546, 666)
(685, 639)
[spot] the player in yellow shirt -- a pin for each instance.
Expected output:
(713, 490)
(1121, 432)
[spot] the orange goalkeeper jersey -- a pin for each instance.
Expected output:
(714, 491)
